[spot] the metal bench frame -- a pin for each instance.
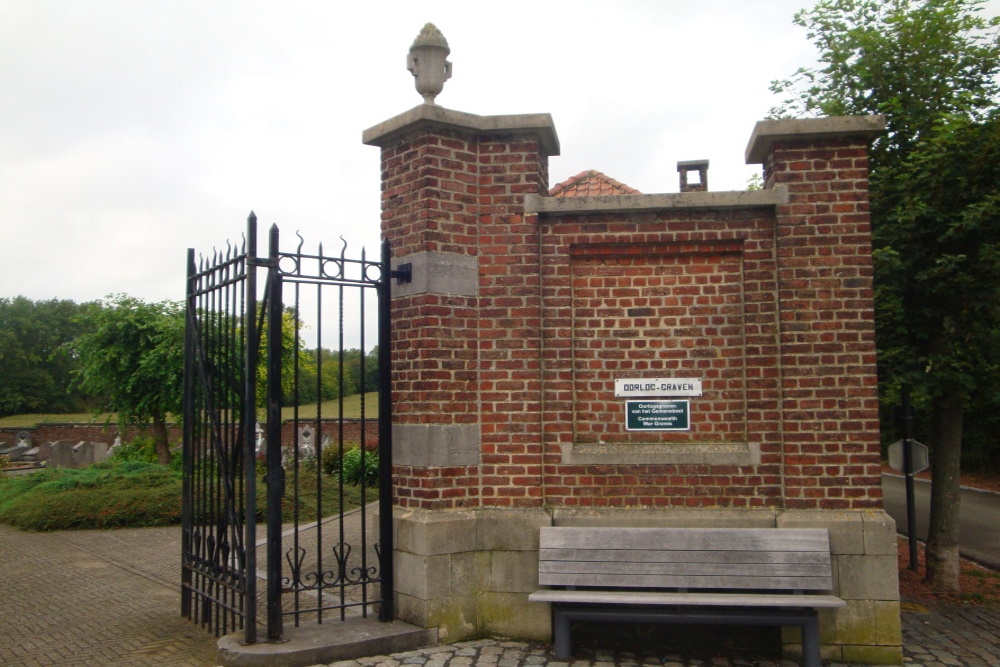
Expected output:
(687, 576)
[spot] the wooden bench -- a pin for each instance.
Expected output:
(723, 576)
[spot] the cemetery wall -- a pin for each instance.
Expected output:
(353, 429)
(523, 312)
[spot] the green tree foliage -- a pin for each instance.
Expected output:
(914, 61)
(356, 371)
(931, 67)
(295, 360)
(133, 359)
(36, 362)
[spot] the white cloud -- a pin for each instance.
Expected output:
(131, 130)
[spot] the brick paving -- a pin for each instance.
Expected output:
(95, 598)
(112, 598)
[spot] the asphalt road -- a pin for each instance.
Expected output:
(979, 519)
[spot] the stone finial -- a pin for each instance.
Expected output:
(428, 63)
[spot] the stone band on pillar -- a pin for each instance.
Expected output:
(436, 445)
(439, 273)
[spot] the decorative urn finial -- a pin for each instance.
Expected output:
(428, 63)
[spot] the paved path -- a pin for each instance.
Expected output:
(95, 598)
(979, 517)
(111, 598)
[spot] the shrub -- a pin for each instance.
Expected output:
(143, 448)
(105, 495)
(354, 469)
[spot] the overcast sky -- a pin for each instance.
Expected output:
(131, 130)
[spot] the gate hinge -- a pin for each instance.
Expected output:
(262, 261)
(403, 274)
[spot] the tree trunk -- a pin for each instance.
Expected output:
(161, 439)
(946, 456)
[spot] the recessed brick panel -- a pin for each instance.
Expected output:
(646, 311)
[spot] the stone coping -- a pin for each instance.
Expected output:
(766, 132)
(430, 116)
(553, 206)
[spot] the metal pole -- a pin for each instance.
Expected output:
(249, 432)
(275, 473)
(911, 503)
(187, 466)
(386, 611)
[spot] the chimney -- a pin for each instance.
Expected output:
(699, 184)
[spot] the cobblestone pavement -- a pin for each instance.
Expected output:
(112, 598)
(942, 636)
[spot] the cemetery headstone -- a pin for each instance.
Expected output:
(62, 454)
(306, 442)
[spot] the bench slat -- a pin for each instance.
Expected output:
(686, 569)
(672, 556)
(700, 599)
(686, 539)
(661, 581)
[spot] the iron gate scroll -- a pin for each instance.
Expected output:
(247, 358)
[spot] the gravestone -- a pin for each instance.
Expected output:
(261, 449)
(85, 453)
(115, 446)
(44, 452)
(62, 454)
(306, 449)
(15, 453)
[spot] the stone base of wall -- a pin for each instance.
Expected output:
(468, 573)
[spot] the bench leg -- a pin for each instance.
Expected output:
(561, 635)
(810, 642)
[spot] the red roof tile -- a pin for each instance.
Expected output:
(591, 183)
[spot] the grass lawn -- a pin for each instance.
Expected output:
(328, 409)
(331, 409)
(24, 421)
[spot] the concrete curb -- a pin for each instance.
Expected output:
(312, 644)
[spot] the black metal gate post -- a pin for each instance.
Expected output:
(249, 419)
(187, 510)
(386, 611)
(275, 471)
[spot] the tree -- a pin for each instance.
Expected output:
(134, 359)
(36, 363)
(930, 66)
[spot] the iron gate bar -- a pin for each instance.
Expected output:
(248, 417)
(275, 471)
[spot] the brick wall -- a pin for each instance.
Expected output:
(509, 337)
(665, 294)
(74, 433)
(830, 408)
(504, 384)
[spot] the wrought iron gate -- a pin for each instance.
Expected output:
(247, 357)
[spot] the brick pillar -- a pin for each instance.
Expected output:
(465, 346)
(465, 361)
(827, 335)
